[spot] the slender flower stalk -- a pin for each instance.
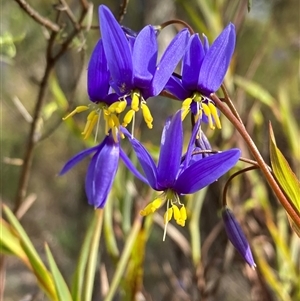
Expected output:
(237, 237)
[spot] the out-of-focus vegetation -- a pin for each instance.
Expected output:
(195, 262)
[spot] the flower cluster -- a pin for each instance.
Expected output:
(123, 73)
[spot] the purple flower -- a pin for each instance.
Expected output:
(133, 66)
(98, 77)
(174, 177)
(203, 71)
(102, 169)
(237, 237)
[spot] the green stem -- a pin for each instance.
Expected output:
(260, 161)
(92, 260)
(124, 258)
(194, 226)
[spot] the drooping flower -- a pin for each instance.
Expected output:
(135, 73)
(237, 237)
(176, 177)
(102, 169)
(203, 71)
(100, 93)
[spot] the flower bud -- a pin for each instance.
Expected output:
(237, 237)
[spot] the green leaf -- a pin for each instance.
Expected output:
(271, 278)
(11, 242)
(92, 258)
(284, 175)
(42, 274)
(77, 284)
(62, 289)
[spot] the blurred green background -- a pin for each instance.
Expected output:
(263, 82)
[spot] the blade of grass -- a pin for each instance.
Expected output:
(131, 238)
(92, 259)
(43, 276)
(77, 284)
(61, 287)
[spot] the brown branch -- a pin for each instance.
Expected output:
(33, 137)
(123, 10)
(66, 8)
(85, 4)
(37, 17)
(255, 152)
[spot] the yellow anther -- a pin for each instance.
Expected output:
(176, 212)
(185, 113)
(186, 107)
(183, 213)
(106, 112)
(168, 215)
(180, 222)
(147, 115)
(115, 120)
(121, 106)
(152, 207)
(77, 110)
(208, 114)
(115, 134)
(111, 122)
(128, 117)
(186, 103)
(88, 122)
(117, 107)
(215, 115)
(135, 101)
(91, 126)
(113, 107)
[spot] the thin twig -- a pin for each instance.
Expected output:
(123, 10)
(34, 135)
(224, 202)
(263, 166)
(37, 17)
(70, 14)
(228, 101)
(85, 4)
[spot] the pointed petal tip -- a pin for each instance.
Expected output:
(217, 60)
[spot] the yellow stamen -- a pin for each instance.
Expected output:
(114, 132)
(215, 115)
(128, 117)
(122, 106)
(77, 110)
(91, 126)
(135, 101)
(186, 107)
(168, 215)
(176, 211)
(112, 108)
(151, 207)
(179, 215)
(117, 107)
(208, 114)
(147, 115)
(88, 122)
